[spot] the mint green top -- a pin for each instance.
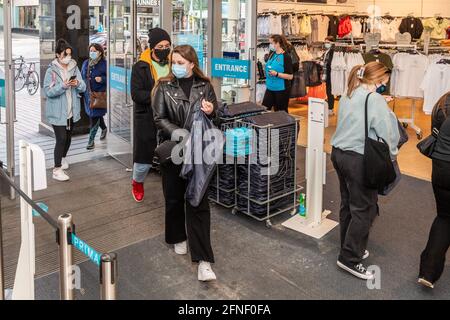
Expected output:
(161, 71)
(350, 132)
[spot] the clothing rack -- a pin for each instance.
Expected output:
(394, 46)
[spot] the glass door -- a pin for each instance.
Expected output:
(122, 51)
(190, 18)
(237, 44)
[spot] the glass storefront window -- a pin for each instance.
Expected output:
(190, 26)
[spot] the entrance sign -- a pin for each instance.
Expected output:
(230, 68)
(120, 79)
(196, 41)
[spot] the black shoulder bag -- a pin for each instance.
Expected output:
(379, 170)
(426, 146)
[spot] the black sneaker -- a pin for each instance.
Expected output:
(104, 133)
(90, 146)
(359, 270)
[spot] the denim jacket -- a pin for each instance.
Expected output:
(55, 91)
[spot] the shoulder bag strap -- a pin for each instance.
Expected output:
(366, 117)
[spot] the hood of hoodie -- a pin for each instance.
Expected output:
(56, 66)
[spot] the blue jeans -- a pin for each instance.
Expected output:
(140, 171)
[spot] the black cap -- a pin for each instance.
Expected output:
(156, 35)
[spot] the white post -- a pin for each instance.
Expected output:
(32, 176)
(24, 281)
(314, 224)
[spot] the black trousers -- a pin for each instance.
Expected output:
(433, 257)
(63, 135)
(330, 96)
(279, 100)
(184, 222)
(359, 206)
(98, 120)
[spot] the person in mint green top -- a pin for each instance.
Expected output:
(359, 204)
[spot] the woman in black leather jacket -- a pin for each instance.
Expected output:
(174, 99)
(433, 258)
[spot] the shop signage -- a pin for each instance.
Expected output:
(120, 79)
(231, 68)
(231, 55)
(85, 249)
(2, 94)
(148, 3)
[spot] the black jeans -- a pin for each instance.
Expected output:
(330, 96)
(63, 135)
(433, 257)
(98, 120)
(359, 206)
(95, 123)
(279, 100)
(184, 222)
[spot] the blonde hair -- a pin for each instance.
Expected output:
(371, 73)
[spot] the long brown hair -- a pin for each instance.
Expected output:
(442, 105)
(188, 53)
(281, 40)
(371, 73)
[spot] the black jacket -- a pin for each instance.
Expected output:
(442, 123)
(171, 107)
(142, 84)
(412, 25)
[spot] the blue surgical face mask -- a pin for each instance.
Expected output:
(179, 71)
(381, 89)
(93, 55)
(328, 45)
(272, 47)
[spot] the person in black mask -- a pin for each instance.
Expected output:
(152, 65)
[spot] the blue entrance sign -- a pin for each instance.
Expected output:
(120, 79)
(85, 249)
(230, 68)
(2, 94)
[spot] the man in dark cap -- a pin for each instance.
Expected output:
(152, 65)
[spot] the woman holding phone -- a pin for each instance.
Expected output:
(63, 86)
(174, 99)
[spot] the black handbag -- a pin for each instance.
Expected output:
(427, 145)
(379, 170)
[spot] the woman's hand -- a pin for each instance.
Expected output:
(207, 107)
(98, 79)
(273, 73)
(74, 83)
(389, 98)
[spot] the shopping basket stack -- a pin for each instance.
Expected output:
(268, 188)
(223, 184)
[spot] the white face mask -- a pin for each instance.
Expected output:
(66, 60)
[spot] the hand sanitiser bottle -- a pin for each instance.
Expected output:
(302, 206)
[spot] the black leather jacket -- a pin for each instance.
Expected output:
(171, 107)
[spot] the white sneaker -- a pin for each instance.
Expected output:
(181, 248)
(60, 175)
(64, 164)
(331, 112)
(205, 272)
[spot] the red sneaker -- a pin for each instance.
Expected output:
(138, 191)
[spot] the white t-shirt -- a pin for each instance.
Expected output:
(435, 84)
(408, 74)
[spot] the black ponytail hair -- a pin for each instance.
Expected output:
(61, 46)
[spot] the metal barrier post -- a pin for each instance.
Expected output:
(108, 277)
(65, 227)
(2, 276)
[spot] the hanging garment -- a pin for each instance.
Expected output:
(435, 84)
(408, 74)
(333, 26)
(357, 31)
(338, 67)
(437, 27)
(412, 25)
(345, 27)
(389, 29)
(351, 60)
(305, 25)
(312, 72)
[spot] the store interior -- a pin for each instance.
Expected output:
(307, 25)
